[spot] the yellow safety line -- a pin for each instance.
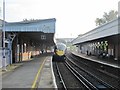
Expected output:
(36, 77)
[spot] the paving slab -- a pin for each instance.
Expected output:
(47, 79)
(23, 76)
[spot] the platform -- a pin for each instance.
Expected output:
(36, 73)
(95, 59)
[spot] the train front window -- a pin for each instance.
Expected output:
(60, 47)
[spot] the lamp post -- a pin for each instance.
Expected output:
(4, 56)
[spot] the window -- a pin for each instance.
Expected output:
(43, 37)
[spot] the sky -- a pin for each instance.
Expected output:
(73, 17)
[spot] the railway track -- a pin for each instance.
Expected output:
(78, 74)
(86, 71)
(83, 82)
(112, 74)
(89, 79)
(68, 79)
(111, 71)
(61, 78)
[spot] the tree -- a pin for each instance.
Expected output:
(110, 16)
(99, 21)
(107, 17)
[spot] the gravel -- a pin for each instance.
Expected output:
(69, 79)
(102, 73)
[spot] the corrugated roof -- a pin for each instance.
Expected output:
(46, 25)
(31, 21)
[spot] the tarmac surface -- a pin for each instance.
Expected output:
(31, 74)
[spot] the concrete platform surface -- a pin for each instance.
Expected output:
(47, 79)
(35, 72)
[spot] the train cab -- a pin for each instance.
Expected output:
(59, 52)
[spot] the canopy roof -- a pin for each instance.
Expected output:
(108, 29)
(46, 26)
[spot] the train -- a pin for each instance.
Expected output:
(59, 52)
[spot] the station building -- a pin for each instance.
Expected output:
(101, 41)
(27, 39)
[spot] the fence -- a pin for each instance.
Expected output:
(2, 62)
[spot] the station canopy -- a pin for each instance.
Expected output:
(39, 30)
(106, 30)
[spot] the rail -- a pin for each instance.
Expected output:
(100, 83)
